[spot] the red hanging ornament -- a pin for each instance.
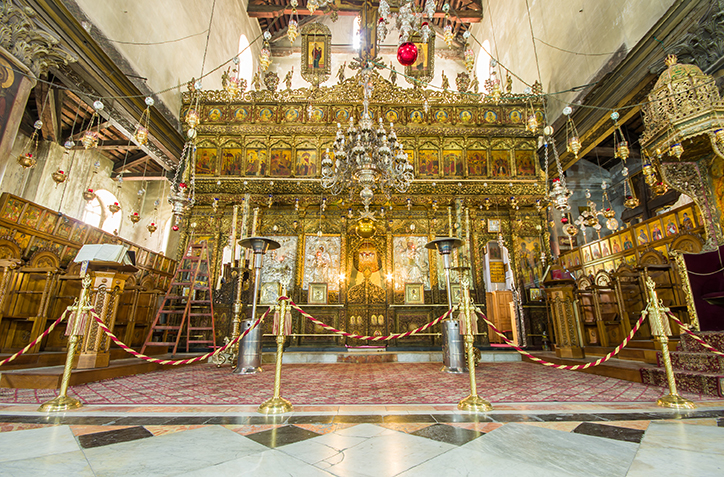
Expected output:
(407, 53)
(175, 228)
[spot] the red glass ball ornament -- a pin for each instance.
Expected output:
(407, 53)
(175, 228)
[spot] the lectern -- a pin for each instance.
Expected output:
(109, 267)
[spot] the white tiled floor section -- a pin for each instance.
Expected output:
(680, 448)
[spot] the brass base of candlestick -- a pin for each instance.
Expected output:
(675, 401)
(276, 406)
(475, 404)
(60, 403)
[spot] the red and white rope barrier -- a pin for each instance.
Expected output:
(365, 337)
(36, 340)
(696, 338)
(602, 360)
(172, 362)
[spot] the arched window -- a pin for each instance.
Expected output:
(246, 60)
(110, 221)
(482, 69)
(356, 39)
(93, 213)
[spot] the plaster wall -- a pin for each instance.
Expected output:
(172, 65)
(38, 186)
(590, 31)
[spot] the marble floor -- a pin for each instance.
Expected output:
(525, 439)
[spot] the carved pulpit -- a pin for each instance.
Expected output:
(109, 266)
(560, 293)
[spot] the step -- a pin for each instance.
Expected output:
(704, 362)
(166, 327)
(200, 341)
(202, 328)
(712, 338)
(201, 314)
(613, 368)
(686, 381)
(160, 343)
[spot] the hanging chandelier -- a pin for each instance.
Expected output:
(366, 157)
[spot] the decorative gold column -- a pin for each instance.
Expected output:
(63, 402)
(107, 287)
(686, 286)
(277, 404)
(655, 311)
(473, 402)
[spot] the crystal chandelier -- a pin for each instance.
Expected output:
(366, 157)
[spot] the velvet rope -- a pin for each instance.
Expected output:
(36, 340)
(696, 338)
(171, 362)
(367, 338)
(602, 360)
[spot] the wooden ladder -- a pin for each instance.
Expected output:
(188, 304)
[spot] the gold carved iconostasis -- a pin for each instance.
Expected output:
(477, 176)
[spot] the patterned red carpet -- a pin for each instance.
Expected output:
(383, 383)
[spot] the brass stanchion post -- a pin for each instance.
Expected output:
(277, 404)
(656, 312)
(473, 402)
(63, 402)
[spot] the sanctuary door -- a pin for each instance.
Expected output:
(367, 313)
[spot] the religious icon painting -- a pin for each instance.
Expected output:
(392, 116)
(266, 115)
(490, 116)
(322, 261)
(493, 225)
(642, 235)
(616, 244)
(341, 115)
(524, 163)
(428, 163)
(423, 68)
(411, 261)
(306, 164)
(269, 293)
(47, 223)
(626, 240)
(231, 162)
(465, 116)
(416, 116)
(317, 294)
(214, 115)
(515, 116)
(587, 254)
(79, 233)
(280, 163)
(686, 219)
(595, 251)
(452, 163)
(291, 115)
(206, 161)
(499, 163)
(414, 294)
(31, 216)
(477, 163)
(456, 293)
(241, 114)
(656, 230)
(317, 115)
(255, 162)
(441, 116)
(11, 211)
(605, 248)
(316, 65)
(670, 225)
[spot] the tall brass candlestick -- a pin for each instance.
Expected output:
(63, 402)
(449, 222)
(473, 402)
(253, 230)
(277, 404)
(232, 240)
(657, 312)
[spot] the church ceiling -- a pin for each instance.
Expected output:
(462, 13)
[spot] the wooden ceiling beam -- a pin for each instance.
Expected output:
(272, 11)
(131, 162)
